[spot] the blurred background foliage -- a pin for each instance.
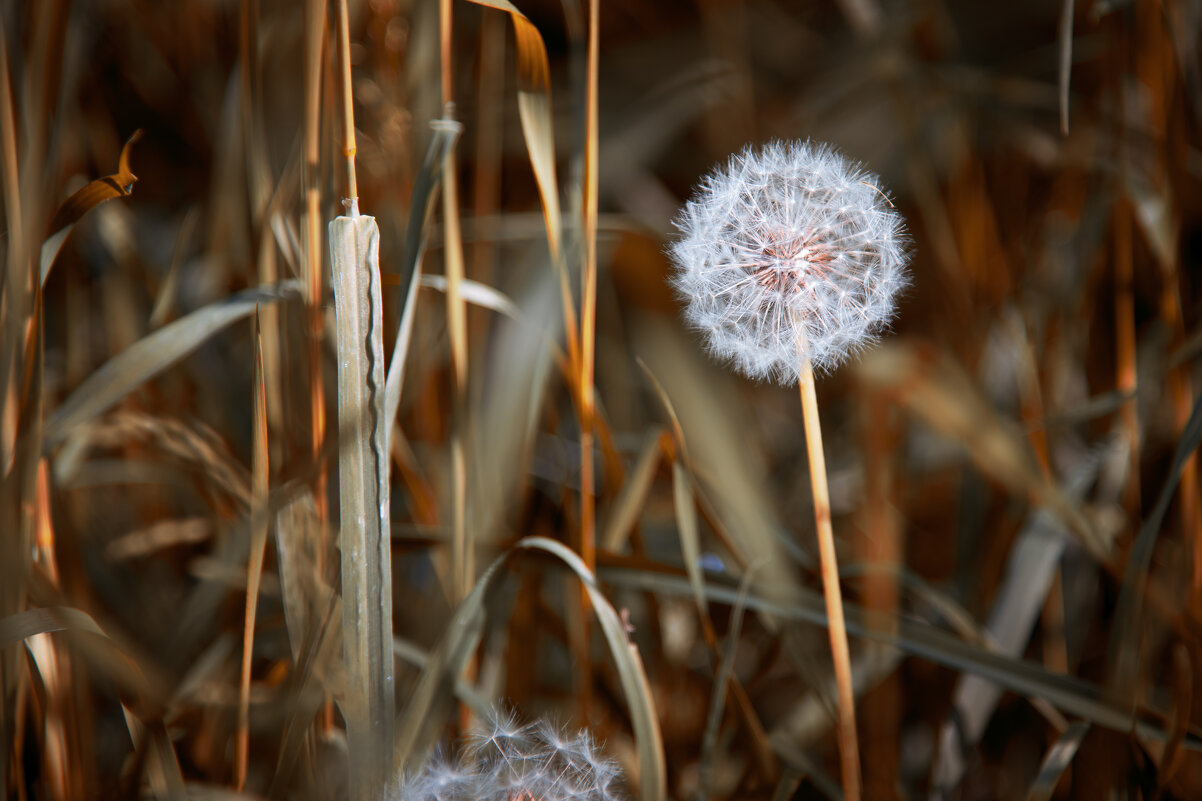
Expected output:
(1012, 480)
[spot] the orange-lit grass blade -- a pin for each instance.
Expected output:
(254, 571)
(119, 184)
(534, 107)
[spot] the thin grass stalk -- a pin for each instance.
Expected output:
(260, 471)
(13, 551)
(585, 360)
(849, 750)
(349, 148)
(461, 557)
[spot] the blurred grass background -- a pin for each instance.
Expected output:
(1012, 475)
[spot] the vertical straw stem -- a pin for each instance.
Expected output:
(849, 751)
(588, 303)
(314, 28)
(349, 147)
(587, 361)
(461, 562)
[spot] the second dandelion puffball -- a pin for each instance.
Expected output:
(789, 250)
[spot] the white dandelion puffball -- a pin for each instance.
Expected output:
(786, 247)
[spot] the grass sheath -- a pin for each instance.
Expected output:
(368, 703)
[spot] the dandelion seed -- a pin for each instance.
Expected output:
(785, 246)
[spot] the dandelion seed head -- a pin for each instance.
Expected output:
(508, 761)
(785, 245)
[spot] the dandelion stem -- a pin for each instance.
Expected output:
(849, 751)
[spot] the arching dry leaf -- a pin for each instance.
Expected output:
(119, 184)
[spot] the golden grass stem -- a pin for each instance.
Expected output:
(457, 325)
(849, 750)
(446, 51)
(588, 301)
(314, 30)
(349, 147)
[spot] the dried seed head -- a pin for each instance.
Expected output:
(789, 246)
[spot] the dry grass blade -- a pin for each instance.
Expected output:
(644, 719)
(445, 133)
(534, 106)
(319, 663)
(119, 184)
(104, 654)
(1030, 572)
(1066, 60)
(686, 528)
(934, 389)
(299, 548)
(722, 677)
(633, 495)
(368, 704)
(31, 622)
(471, 697)
(712, 424)
(477, 294)
(254, 570)
(1128, 619)
(154, 353)
(1056, 762)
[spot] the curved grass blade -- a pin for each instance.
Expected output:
(416, 728)
(534, 108)
(477, 294)
(105, 654)
(119, 184)
(154, 353)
